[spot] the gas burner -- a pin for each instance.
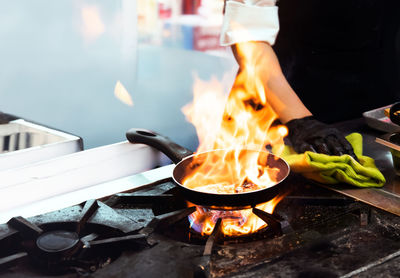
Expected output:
(60, 247)
(166, 200)
(276, 226)
(57, 241)
(147, 232)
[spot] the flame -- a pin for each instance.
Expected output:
(206, 110)
(234, 223)
(122, 94)
(92, 25)
(240, 133)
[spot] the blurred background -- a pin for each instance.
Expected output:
(97, 68)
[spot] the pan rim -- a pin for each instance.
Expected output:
(179, 164)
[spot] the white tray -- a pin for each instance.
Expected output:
(23, 143)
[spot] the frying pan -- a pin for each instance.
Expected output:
(186, 164)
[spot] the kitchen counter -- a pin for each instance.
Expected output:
(387, 197)
(71, 179)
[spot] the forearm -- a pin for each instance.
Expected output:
(279, 93)
(254, 24)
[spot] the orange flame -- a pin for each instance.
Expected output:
(234, 223)
(240, 133)
(206, 110)
(122, 94)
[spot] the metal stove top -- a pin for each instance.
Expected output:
(317, 233)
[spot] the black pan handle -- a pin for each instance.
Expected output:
(174, 151)
(394, 113)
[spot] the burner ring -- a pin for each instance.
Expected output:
(57, 241)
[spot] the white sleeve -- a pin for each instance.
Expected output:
(249, 20)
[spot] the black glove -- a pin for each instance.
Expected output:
(309, 134)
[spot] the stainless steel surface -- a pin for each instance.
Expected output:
(19, 135)
(391, 140)
(385, 140)
(380, 198)
(69, 180)
(387, 197)
(23, 142)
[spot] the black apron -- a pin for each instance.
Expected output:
(340, 56)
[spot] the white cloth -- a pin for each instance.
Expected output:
(249, 20)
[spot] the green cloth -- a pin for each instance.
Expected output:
(336, 169)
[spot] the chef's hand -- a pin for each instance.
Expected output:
(309, 134)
